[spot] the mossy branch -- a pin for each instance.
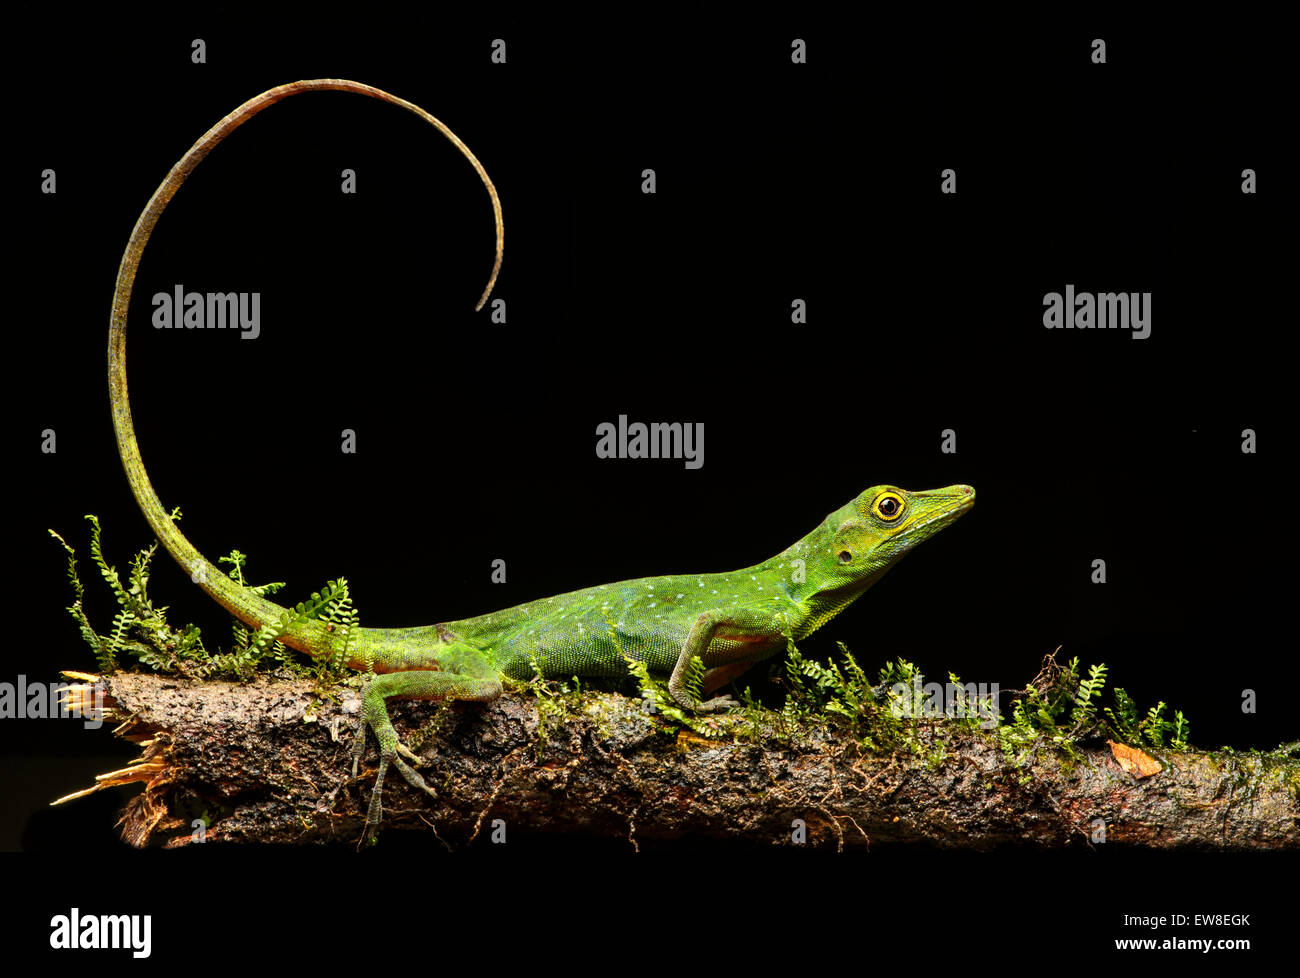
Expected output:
(896, 760)
(279, 773)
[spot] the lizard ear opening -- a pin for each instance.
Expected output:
(845, 556)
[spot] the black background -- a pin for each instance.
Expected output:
(476, 440)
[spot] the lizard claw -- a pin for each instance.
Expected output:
(411, 756)
(358, 746)
(413, 777)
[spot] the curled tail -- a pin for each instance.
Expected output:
(243, 604)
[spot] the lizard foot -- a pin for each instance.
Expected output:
(374, 714)
(688, 702)
(716, 705)
(391, 751)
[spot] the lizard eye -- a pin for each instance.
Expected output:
(845, 556)
(889, 506)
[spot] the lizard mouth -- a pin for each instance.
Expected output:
(947, 514)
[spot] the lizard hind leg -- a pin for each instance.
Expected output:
(420, 684)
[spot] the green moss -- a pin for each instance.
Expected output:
(555, 702)
(1251, 770)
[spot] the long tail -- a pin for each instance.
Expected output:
(241, 603)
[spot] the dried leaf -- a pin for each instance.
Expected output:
(1134, 761)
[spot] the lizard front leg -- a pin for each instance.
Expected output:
(420, 684)
(756, 636)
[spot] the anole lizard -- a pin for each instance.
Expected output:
(728, 621)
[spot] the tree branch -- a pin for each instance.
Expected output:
(265, 762)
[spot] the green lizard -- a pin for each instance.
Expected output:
(728, 621)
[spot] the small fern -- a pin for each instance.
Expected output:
(1085, 709)
(104, 658)
(341, 621)
(238, 560)
(845, 693)
(661, 702)
(1123, 718)
(265, 646)
(140, 630)
(108, 572)
(1180, 732)
(1036, 714)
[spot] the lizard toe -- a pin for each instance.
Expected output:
(717, 705)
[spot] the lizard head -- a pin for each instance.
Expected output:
(856, 544)
(885, 522)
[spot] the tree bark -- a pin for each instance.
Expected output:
(268, 762)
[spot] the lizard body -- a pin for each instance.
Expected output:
(728, 621)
